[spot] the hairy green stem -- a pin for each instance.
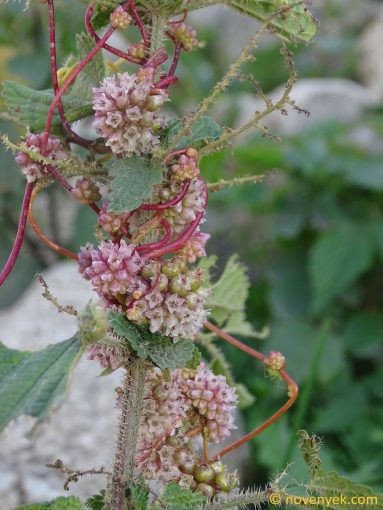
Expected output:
(131, 403)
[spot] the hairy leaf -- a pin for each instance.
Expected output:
(294, 22)
(96, 502)
(337, 259)
(30, 107)
(174, 495)
(161, 350)
(331, 484)
(140, 497)
(32, 383)
(204, 130)
(310, 447)
(132, 182)
(71, 503)
(93, 73)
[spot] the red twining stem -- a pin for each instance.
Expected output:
(20, 234)
(166, 82)
(158, 58)
(159, 244)
(172, 155)
(139, 23)
(111, 49)
(74, 137)
(293, 390)
(177, 22)
(182, 239)
(166, 205)
(176, 57)
(54, 246)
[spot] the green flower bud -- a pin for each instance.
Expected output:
(93, 324)
(203, 474)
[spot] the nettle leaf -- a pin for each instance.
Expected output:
(161, 350)
(174, 495)
(93, 73)
(203, 131)
(132, 182)
(140, 497)
(294, 23)
(101, 15)
(30, 107)
(96, 502)
(32, 383)
(337, 259)
(330, 485)
(71, 503)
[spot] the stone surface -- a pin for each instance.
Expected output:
(370, 53)
(81, 432)
(326, 99)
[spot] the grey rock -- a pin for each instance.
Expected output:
(371, 56)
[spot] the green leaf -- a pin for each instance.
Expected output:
(93, 74)
(174, 495)
(96, 502)
(32, 383)
(337, 259)
(331, 485)
(203, 130)
(30, 107)
(296, 22)
(231, 290)
(161, 350)
(132, 182)
(71, 503)
(140, 497)
(195, 360)
(101, 16)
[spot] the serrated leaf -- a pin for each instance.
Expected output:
(93, 74)
(161, 350)
(174, 495)
(203, 130)
(337, 259)
(96, 502)
(30, 107)
(195, 360)
(132, 182)
(32, 383)
(101, 16)
(140, 497)
(295, 23)
(330, 485)
(70, 503)
(231, 290)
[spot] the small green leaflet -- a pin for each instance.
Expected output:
(140, 497)
(71, 503)
(161, 350)
(30, 107)
(96, 502)
(295, 22)
(203, 130)
(132, 182)
(32, 383)
(176, 496)
(93, 73)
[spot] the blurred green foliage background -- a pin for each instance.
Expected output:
(311, 234)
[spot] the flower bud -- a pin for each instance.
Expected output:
(206, 490)
(120, 18)
(203, 474)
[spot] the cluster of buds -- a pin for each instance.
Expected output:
(110, 357)
(175, 307)
(168, 296)
(138, 50)
(186, 166)
(125, 107)
(112, 223)
(86, 191)
(54, 151)
(166, 451)
(275, 362)
(185, 35)
(120, 18)
(194, 248)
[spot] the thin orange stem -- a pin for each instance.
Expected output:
(54, 246)
(206, 449)
(293, 390)
(194, 432)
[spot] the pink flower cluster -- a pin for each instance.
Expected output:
(186, 166)
(113, 223)
(54, 150)
(185, 35)
(165, 449)
(86, 191)
(112, 268)
(185, 212)
(109, 356)
(194, 248)
(125, 107)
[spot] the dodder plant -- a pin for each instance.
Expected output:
(142, 179)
